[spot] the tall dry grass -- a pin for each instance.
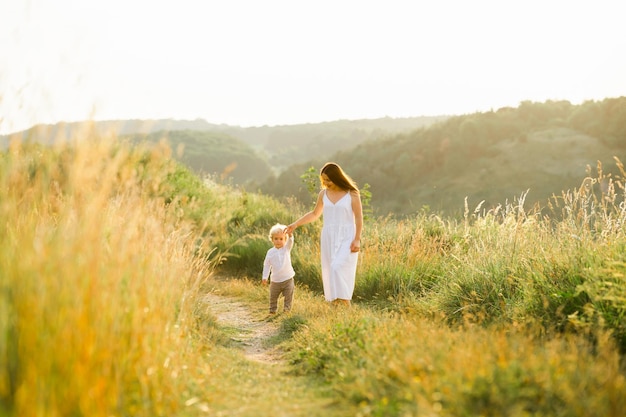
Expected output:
(560, 265)
(400, 365)
(98, 280)
(508, 311)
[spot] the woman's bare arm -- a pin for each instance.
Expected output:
(357, 208)
(311, 215)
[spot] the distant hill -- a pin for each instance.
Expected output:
(205, 148)
(50, 133)
(284, 146)
(495, 156)
(211, 153)
(410, 164)
(276, 147)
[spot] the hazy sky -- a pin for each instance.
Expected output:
(273, 62)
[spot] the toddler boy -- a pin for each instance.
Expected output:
(277, 263)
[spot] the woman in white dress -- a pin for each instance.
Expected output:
(339, 202)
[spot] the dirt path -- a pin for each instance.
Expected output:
(246, 328)
(263, 384)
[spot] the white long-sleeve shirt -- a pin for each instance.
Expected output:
(278, 263)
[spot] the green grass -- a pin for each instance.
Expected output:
(395, 364)
(107, 251)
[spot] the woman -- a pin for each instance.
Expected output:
(340, 203)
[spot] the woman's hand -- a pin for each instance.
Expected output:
(355, 246)
(289, 230)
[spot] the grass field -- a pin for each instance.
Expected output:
(107, 251)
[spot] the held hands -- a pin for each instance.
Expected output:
(289, 230)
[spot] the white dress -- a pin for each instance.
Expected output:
(338, 262)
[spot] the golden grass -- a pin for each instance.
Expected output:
(392, 364)
(398, 365)
(97, 279)
(100, 306)
(504, 313)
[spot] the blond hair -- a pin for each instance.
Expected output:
(277, 229)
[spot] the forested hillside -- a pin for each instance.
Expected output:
(280, 146)
(495, 157)
(287, 145)
(212, 153)
(535, 150)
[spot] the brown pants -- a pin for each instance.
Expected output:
(286, 289)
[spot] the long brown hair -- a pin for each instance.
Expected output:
(338, 177)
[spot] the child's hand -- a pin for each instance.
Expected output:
(264, 282)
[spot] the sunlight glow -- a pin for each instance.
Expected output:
(251, 63)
